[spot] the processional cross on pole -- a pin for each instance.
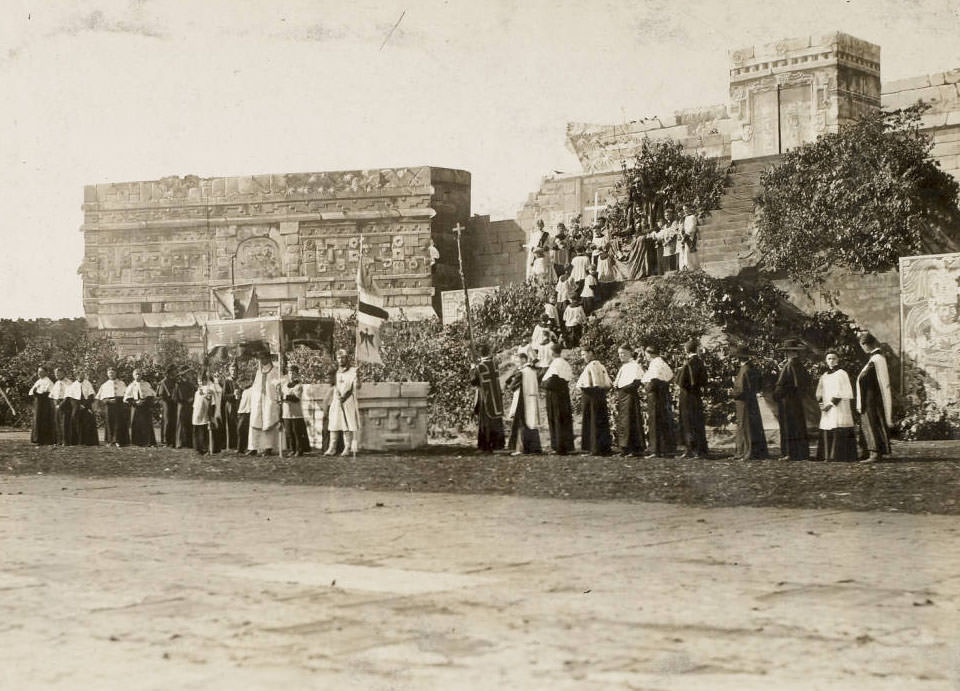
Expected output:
(596, 208)
(458, 231)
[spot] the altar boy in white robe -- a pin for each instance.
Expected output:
(838, 439)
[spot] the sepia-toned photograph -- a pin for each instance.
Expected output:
(505, 344)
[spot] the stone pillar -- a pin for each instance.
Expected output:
(788, 93)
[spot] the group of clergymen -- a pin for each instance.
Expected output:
(203, 412)
(655, 436)
(578, 267)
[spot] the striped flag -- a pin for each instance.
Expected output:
(370, 314)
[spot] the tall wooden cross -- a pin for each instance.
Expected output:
(458, 231)
(596, 208)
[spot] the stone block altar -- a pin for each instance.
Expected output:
(393, 415)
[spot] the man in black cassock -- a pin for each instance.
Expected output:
(488, 404)
(629, 416)
(594, 383)
(874, 400)
(230, 399)
(167, 394)
(656, 383)
(62, 408)
(556, 384)
(751, 442)
(185, 391)
(44, 430)
(117, 424)
(691, 380)
(791, 387)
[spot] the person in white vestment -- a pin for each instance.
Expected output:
(264, 432)
(837, 439)
(116, 426)
(344, 415)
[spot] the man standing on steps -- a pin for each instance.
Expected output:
(874, 400)
(667, 236)
(688, 240)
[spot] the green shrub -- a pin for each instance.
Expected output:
(929, 421)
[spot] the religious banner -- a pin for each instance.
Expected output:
(452, 302)
(370, 314)
(930, 318)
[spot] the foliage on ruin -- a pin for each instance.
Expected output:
(663, 173)
(859, 199)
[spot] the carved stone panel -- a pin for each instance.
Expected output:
(258, 258)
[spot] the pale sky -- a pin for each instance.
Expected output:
(121, 90)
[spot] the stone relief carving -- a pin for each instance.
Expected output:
(258, 257)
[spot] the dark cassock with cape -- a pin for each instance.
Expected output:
(525, 410)
(230, 400)
(556, 384)
(791, 387)
(185, 391)
(656, 383)
(140, 396)
(63, 411)
(875, 403)
(691, 380)
(594, 383)
(488, 405)
(84, 420)
(116, 426)
(167, 393)
(630, 436)
(43, 431)
(751, 442)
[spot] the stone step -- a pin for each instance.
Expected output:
(721, 269)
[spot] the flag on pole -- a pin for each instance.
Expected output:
(370, 314)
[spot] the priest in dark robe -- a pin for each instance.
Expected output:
(43, 431)
(594, 383)
(556, 385)
(791, 388)
(691, 380)
(630, 436)
(874, 400)
(117, 418)
(139, 396)
(84, 421)
(656, 384)
(751, 442)
(230, 401)
(62, 408)
(167, 395)
(185, 391)
(488, 402)
(525, 409)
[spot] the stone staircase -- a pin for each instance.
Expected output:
(726, 237)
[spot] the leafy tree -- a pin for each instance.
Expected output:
(664, 173)
(860, 198)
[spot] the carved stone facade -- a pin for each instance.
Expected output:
(156, 251)
(785, 94)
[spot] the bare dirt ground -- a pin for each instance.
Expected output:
(924, 478)
(150, 583)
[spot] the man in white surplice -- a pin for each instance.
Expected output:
(265, 408)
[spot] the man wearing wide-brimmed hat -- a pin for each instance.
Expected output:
(751, 443)
(792, 386)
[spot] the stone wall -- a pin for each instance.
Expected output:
(393, 415)
(156, 252)
(493, 252)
